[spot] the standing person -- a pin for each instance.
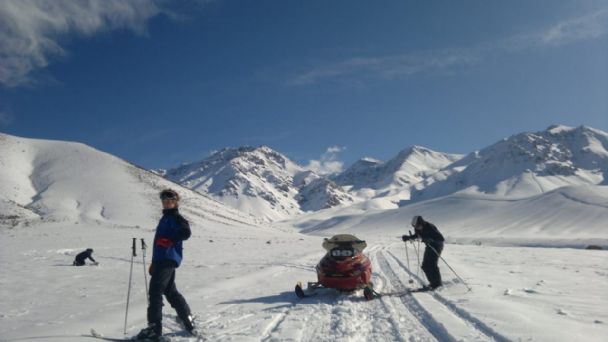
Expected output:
(79, 260)
(433, 239)
(166, 258)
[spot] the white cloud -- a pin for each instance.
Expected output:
(389, 67)
(328, 163)
(592, 25)
(32, 32)
(335, 149)
(589, 26)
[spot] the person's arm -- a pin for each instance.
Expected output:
(183, 229)
(182, 232)
(91, 258)
(411, 236)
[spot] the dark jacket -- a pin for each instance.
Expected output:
(82, 256)
(429, 234)
(170, 232)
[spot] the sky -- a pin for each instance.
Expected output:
(159, 83)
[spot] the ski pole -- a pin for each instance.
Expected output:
(407, 256)
(143, 252)
(418, 259)
(133, 255)
(417, 249)
(439, 255)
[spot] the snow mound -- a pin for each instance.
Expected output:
(568, 214)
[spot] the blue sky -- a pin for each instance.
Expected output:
(159, 83)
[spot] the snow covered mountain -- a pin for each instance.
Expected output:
(65, 181)
(526, 164)
(267, 184)
(318, 192)
(409, 167)
(259, 181)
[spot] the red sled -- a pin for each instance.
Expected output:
(344, 268)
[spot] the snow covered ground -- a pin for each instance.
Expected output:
(239, 281)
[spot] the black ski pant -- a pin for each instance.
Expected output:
(429, 264)
(162, 282)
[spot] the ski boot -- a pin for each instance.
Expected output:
(189, 324)
(153, 333)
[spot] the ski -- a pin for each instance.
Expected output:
(422, 289)
(95, 334)
(404, 293)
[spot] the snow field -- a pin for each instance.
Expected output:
(241, 288)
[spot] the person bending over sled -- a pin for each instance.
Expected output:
(166, 258)
(82, 256)
(432, 238)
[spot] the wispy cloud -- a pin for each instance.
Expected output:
(32, 32)
(589, 26)
(328, 163)
(389, 67)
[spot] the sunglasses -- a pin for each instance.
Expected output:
(168, 196)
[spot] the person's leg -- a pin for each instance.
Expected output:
(430, 268)
(178, 302)
(162, 275)
(437, 274)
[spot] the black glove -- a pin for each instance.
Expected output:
(405, 237)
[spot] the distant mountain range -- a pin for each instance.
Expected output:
(525, 165)
(265, 183)
(57, 180)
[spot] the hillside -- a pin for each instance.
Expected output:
(526, 164)
(65, 181)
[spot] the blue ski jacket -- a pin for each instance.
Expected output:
(170, 232)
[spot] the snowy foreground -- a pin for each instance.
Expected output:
(240, 280)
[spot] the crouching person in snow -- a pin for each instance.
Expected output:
(166, 258)
(433, 239)
(82, 256)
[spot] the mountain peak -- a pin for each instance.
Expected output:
(258, 180)
(530, 163)
(407, 168)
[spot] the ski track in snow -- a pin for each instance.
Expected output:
(424, 317)
(479, 330)
(325, 316)
(332, 316)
